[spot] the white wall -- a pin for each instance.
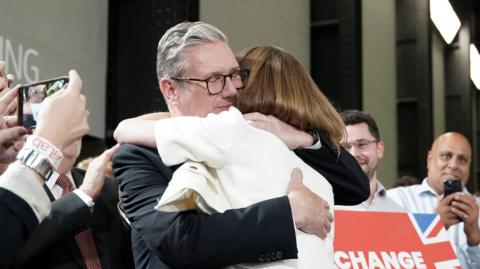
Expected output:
(44, 39)
(283, 23)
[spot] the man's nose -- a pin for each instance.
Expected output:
(453, 163)
(229, 89)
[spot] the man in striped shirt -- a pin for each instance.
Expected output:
(449, 158)
(364, 143)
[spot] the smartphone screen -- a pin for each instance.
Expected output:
(32, 96)
(451, 186)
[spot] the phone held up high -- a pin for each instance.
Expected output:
(452, 186)
(31, 97)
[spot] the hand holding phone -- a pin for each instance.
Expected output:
(452, 186)
(64, 117)
(31, 97)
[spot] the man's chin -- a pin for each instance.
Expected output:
(364, 166)
(366, 169)
(450, 176)
(221, 109)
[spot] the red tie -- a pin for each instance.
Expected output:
(84, 239)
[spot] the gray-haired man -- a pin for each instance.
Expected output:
(190, 57)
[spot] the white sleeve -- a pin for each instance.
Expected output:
(23, 182)
(197, 139)
(84, 197)
(473, 256)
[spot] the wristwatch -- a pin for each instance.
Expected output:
(33, 159)
(314, 134)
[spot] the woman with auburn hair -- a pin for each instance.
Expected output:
(279, 85)
(228, 163)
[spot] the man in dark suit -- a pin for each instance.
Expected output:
(78, 233)
(190, 56)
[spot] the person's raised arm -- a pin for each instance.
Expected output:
(62, 121)
(95, 176)
(180, 138)
(139, 130)
(23, 201)
(63, 117)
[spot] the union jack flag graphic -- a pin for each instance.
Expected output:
(391, 240)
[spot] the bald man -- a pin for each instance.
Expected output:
(449, 158)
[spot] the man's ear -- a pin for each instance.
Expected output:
(169, 90)
(429, 158)
(380, 149)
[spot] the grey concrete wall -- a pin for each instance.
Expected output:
(44, 39)
(283, 23)
(438, 84)
(379, 78)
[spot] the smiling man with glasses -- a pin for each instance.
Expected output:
(364, 143)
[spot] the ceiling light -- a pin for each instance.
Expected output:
(445, 19)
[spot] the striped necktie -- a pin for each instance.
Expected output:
(85, 241)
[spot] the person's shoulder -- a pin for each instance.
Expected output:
(395, 193)
(129, 151)
(130, 156)
(131, 148)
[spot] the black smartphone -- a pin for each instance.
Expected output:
(31, 97)
(452, 186)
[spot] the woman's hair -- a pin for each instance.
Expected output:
(279, 85)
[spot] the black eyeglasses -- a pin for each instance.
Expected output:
(361, 144)
(216, 83)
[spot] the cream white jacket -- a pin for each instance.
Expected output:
(230, 164)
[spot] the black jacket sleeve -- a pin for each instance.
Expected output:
(192, 239)
(68, 216)
(17, 221)
(350, 184)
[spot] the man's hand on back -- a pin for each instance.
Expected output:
(311, 213)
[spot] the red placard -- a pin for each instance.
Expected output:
(391, 240)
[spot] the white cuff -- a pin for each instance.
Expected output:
(85, 198)
(317, 145)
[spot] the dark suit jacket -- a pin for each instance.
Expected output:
(258, 233)
(350, 184)
(52, 243)
(17, 221)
